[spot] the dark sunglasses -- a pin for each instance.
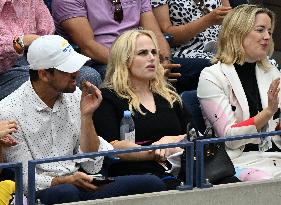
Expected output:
(118, 11)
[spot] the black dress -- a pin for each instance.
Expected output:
(149, 128)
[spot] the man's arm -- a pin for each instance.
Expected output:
(148, 22)
(90, 101)
(81, 33)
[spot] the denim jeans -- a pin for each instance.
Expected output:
(14, 77)
(190, 71)
(122, 186)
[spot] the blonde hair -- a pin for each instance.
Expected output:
(117, 74)
(236, 25)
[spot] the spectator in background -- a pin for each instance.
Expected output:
(21, 21)
(194, 24)
(243, 95)
(94, 25)
(135, 81)
(55, 119)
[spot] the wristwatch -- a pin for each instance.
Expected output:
(18, 44)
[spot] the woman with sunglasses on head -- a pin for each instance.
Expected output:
(240, 93)
(135, 81)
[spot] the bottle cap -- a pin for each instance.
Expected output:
(127, 113)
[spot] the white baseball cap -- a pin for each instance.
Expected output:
(53, 51)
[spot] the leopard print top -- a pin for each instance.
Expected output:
(185, 11)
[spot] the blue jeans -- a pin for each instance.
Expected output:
(99, 67)
(12, 79)
(190, 71)
(122, 186)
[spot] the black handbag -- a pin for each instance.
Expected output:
(217, 164)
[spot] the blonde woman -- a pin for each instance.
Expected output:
(240, 93)
(135, 81)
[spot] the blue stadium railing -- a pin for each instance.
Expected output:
(189, 159)
(200, 178)
(17, 167)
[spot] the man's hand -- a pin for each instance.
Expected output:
(78, 179)
(172, 77)
(90, 99)
(217, 15)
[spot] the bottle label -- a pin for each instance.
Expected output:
(130, 136)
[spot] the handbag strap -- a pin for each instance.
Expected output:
(207, 133)
(191, 136)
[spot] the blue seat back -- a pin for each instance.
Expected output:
(192, 105)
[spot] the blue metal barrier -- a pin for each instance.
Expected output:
(200, 178)
(189, 159)
(17, 167)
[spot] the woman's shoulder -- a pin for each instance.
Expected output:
(111, 96)
(216, 73)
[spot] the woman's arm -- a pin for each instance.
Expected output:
(184, 33)
(217, 108)
(141, 156)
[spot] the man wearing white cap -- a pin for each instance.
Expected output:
(55, 119)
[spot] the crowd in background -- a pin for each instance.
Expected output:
(117, 53)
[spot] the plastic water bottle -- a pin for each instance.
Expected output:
(127, 127)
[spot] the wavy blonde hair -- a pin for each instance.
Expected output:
(118, 76)
(235, 27)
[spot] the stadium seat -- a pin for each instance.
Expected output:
(192, 105)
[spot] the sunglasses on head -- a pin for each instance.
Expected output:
(118, 11)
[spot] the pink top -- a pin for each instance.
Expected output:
(18, 17)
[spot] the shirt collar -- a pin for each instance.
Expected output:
(38, 103)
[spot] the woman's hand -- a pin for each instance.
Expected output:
(162, 154)
(7, 127)
(273, 96)
(8, 140)
(262, 118)
(217, 15)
